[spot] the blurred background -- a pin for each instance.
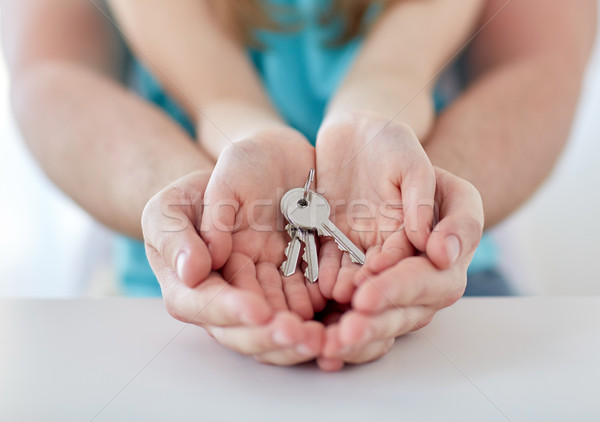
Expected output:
(51, 248)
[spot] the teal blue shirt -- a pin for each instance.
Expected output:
(300, 74)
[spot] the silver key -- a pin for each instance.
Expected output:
(312, 213)
(292, 252)
(310, 255)
(305, 192)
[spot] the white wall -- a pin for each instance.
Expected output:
(49, 247)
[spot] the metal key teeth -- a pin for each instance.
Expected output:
(283, 267)
(305, 259)
(342, 248)
(356, 261)
(310, 255)
(287, 250)
(308, 214)
(289, 265)
(339, 245)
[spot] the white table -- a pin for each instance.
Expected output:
(517, 359)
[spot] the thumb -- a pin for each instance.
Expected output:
(418, 192)
(218, 224)
(456, 236)
(168, 228)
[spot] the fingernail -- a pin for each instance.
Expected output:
(282, 339)
(180, 262)
(452, 248)
(304, 350)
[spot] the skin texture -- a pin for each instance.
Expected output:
(61, 55)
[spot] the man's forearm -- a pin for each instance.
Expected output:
(107, 149)
(506, 132)
(200, 64)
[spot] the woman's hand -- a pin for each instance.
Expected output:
(243, 225)
(381, 186)
(406, 296)
(244, 232)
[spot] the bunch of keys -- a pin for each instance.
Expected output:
(308, 215)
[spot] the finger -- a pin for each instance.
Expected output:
(306, 350)
(364, 273)
(369, 352)
(283, 331)
(330, 364)
(270, 282)
(395, 248)
(413, 281)
(219, 222)
(460, 228)
(344, 285)
(330, 261)
(418, 190)
(316, 298)
(240, 271)
(333, 348)
(169, 227)
(213, 302)
(296, 294)
(357, 329)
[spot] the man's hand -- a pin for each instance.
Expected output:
(406, 296)
(241, 319)
(381, 187)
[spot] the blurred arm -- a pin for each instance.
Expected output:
(506, 131)
(106, 148)
(201, 65)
